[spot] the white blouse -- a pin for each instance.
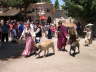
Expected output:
(28, 31)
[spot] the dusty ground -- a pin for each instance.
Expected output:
(60, 62)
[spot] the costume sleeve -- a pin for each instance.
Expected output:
(37, 30)
(23, 33)
(65, 31)
(32, 33)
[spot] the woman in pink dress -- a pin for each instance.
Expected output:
(61, 35)
(29, 36)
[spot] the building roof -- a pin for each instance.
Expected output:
(42, 3)
(10, 12)
(39, 4)
(35, 9)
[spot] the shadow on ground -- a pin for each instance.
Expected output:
(50, 54)
(74, 54)
(10, 50)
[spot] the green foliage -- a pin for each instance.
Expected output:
(14, 2)
(56, 4)
(48, 1)
(81, 9)
(35, 1)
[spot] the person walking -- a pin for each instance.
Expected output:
(62, 36)
(29, 35)
(38, 33)
(49, 20)
(5, 32)
(20, 29)
(88, 36)
(72, 35)
(49, 35)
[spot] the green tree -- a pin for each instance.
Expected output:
(56, 4)
(48, 1)
(14, 2)
(83, 10)
(19, 2)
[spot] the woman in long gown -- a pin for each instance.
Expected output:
(61, 35)
(29, 35)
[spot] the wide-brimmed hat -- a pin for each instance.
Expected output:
(60, 22)
(90, 24)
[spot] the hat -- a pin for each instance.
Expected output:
(60, 22)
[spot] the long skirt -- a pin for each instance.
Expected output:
(61, 42)
(29, 47)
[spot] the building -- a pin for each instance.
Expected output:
(60, 13)
(8, 12)
(40, 9)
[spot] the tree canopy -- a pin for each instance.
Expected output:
(81, 9)
(48, 1)
(56, 4)
(14, 2)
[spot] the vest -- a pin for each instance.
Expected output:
(39, 34)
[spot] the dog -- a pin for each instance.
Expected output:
(44, 46)
(88, 41)
(74, 46)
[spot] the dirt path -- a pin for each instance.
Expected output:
(60, 62)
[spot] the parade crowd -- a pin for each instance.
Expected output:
(32, 32)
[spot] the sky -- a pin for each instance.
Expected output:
(60, 2)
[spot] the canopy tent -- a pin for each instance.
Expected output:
(43, 18)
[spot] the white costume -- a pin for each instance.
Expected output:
(28, 31)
